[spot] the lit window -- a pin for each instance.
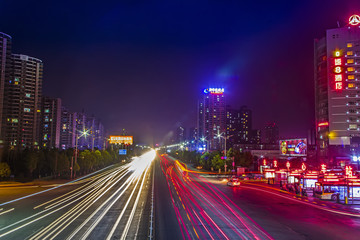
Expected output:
(351, 77)
(28, 95)
(350, 53)
(350, 69)
(351, 85)
(349, 45)
(26, 109)
(350, 61)
(47, 110)
(352, 126)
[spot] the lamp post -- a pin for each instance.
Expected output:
(219, 135)
(203, 139)
(83, 133)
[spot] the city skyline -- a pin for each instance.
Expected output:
(76, 60)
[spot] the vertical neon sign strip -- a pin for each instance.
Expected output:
(338, 71)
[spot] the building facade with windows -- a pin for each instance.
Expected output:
(337, 92)
(67, 129)
(23, 102)
(50, 122)
(5, 71)
(212, 118)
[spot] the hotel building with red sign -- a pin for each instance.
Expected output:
(337, 91)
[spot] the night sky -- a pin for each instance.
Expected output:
(142, 66)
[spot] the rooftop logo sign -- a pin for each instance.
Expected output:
(354, 20)
(214, 90)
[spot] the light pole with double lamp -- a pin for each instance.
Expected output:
(82, 133)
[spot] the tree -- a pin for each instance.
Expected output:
(217, 162)
(31, 161)
(4, 170)
(63, 163)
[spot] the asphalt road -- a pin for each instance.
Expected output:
(117, 204)
(113, 204)
(206, 208)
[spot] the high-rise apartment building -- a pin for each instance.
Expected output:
(337, 91)
(97, 135)
(212, 117)
(68, 129)
(245, 128)
(239, 125)
(23, 102)
(180, 134)
(50, 122)
(5, 71)
(271, 133)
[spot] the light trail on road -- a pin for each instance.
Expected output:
(96, 201)
(202, 212)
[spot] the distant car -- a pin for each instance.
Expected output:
(233, 182)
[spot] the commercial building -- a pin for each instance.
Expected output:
(212, 117)
(23, 102)
(50, 122)
(337, 92)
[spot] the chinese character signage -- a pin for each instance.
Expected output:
(126, 140)
(338, 70)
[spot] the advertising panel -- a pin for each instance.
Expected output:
(126, 140)
(293, 147)
(122, 151)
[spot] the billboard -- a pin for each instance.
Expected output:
(293, 147)
(126, 140)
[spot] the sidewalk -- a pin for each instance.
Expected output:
(310, 200)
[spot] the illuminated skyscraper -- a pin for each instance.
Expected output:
(212, 117)
(337, 91)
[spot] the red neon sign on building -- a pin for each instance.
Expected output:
(288, 165)
(338, 70)
(348, 171)
(323, 168)
(303, 166)
(275, 163)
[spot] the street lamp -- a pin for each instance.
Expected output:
(219, 135)
(83, 133)
(203, 139)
